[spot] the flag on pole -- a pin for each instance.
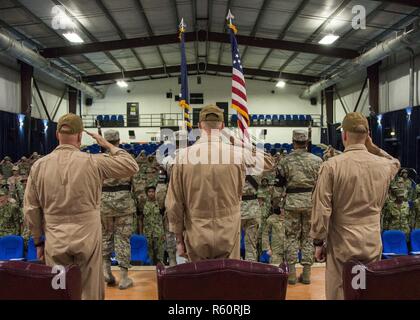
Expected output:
(239, 99)
(184, 97)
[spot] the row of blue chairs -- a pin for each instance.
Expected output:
(110, 120)
(277, 120)
(395, 244)
(136, 148)
(12, 248)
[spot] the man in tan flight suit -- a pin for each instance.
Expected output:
(347, 203)
(205, 190)
(62, 201)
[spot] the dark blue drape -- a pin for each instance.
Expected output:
(14, 137)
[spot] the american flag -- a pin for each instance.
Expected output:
(239, 100)
(184, 97)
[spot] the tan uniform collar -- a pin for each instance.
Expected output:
(209, 138)
(353, 147)
(66, 146)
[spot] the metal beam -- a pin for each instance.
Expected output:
(348, 34)
(284, 30)
(39, 20)
(336, 12)
(201, 35)
(149, 27)
(44, 106)
(91, 37)
(264, 6)
(193, 67)
(412, 3)
(119, 31)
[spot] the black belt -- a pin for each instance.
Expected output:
(247, 198)
(116, 188)
(298, 190)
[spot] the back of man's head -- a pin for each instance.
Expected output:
(112, 136)
(69, 129)
(356, 128)
(211, 118)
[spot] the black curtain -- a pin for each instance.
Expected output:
(14, 140)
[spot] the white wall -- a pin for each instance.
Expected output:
(151, 95)
(51, 91)
(144, 134)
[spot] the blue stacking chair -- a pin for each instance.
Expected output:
(254, 119)
(11, 248)
(120, 120)
(302, 117)
(268, 120)
(261, 119)
(415, 241)
(275, 119)
(394, 244)
(267, 146)
(281, 117)
(113, 117)
(288, 117)
(264, 258)
(277, 145)
(139, 251)
(106, 118)
(308, 117)
(295, 117)
(31, 255)
(99, 118)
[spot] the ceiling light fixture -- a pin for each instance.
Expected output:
(122, 84)
(281, 84)
(329, 39)
(73, 37)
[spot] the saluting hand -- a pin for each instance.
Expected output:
(100, 140)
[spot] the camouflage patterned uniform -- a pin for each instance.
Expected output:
(24, 166)
(274, 228)
(416, 211)
(139, 185)
(117, 209)
(264, 195)
(11, 217)
(300, 169)
(250, 219)
(6, 168)
(397, 215)
(170, 241)
(154, 231)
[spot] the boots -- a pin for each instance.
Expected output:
(125, 281)
(305, 276)
(292, 274)
(109, 278)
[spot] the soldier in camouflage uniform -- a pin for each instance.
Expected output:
(274, 227)
(250, 217)
(299, 171)
(264, 194)
(139, 185)
(416, 211)
(6, 166)
(24, 166)
(396, 214)
(408, 185)
(117, 209)
(170, 241)
(151, 225)
(11, 217)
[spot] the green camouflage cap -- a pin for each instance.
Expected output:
(7, 158)
(70, 124)
(112, 135)
(300, 135)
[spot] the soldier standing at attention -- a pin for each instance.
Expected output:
(408, 185)
(139, 184)
(151, 225)
(117, 210)
(396, 214)
(6, 166)
(264, 195)
(274, 227)
(203, 200)
(347, 203)
(299, 172)
(10, 215)
(62, 201)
